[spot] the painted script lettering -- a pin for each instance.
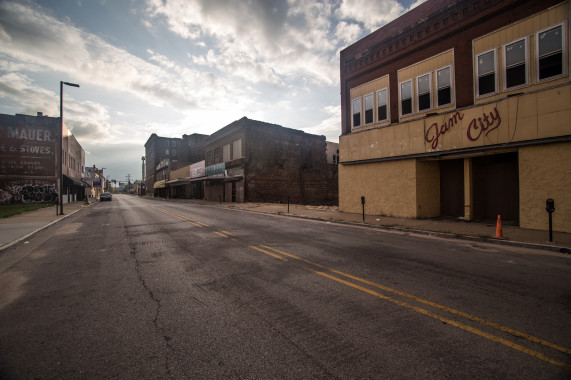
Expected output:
(485, 124)
(434, 132)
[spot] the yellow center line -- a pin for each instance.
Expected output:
(441, 307)
(266, 250)
(194, 222)
(268, 253)
(462, 326)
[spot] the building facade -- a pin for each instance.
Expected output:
(460, 109)
(164, 155)
(254, 161)
(28, 160)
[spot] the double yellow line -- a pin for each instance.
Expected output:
(357, 283)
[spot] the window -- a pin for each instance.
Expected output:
(226, 153)
(406, 98)
(550, 53)
(515, 61)
(173, 152)
(486, 64)
(424, 96)
(217, 155)
(356, 112)
(369, 104)
(444, 87)
(209, 159)
(382, 105)
(237, 149)
(174, 144)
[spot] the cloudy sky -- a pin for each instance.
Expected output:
(175, 67)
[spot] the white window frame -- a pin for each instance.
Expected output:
(429, 92)
(371, 96)
(353, 113)
(386, 104)
(411, 98)
(438, 87)
(505, 64)
(495, 74)
(563, 26)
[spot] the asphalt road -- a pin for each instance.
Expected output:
(139, 288)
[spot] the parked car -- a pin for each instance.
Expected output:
(105, 197)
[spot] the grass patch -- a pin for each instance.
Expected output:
(20, 208)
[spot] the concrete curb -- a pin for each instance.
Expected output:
(552, 248)
(6, 246)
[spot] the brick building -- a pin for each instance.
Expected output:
(461, 109)
(28, 160)
(164, 155)
(253, 161)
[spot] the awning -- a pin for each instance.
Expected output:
(159, 184)
(68, 181)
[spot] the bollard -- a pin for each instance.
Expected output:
(363, 204)
(288, 205)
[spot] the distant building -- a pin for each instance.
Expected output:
(94, 177)
(164, 155)
(254, 161)
(332, 151)
(460, 109)
(28, 160)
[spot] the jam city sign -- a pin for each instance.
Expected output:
(476, 128)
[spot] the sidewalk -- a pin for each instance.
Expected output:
(447, 228)
(19, 227)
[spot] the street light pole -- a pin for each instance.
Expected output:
(143, 175)
(61, 83)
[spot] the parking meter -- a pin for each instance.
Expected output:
(363, 200)
(550, 205)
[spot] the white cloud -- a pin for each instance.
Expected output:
(37, 39)
(373, 14)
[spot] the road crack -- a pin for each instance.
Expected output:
(133, 252)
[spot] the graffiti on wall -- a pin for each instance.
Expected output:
(29, 193)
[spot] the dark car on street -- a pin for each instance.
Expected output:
(105, 197)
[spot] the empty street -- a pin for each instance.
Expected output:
(143, 288)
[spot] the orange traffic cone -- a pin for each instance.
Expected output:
(499, 234)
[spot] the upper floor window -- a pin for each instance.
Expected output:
(217, 155)
(424, 93)
(167, 152)
(356, 112)
(486, 64)
(515, 64)
(174, 144)
(226, 153)
(550, 60)
(369, 105)
(444, 87)
(173, 152)
(406, 98)
(237, 149)
(382, 105)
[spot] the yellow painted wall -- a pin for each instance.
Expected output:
(527, 29)
(545, 172)
(389, 188)
(521, 118)
(427, 189)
